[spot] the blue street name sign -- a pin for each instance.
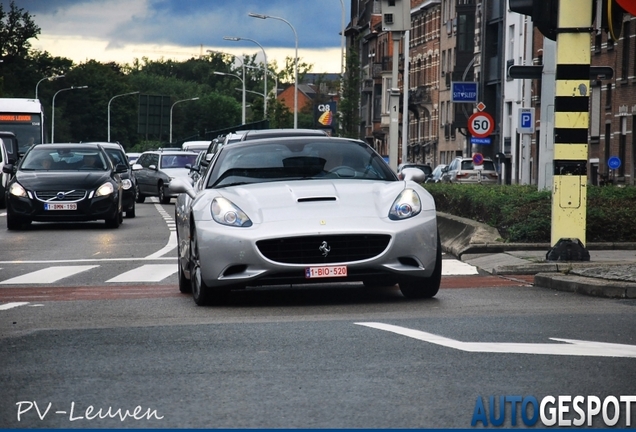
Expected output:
(482, 141)
(463, 92)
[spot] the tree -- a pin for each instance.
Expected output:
(16, 28)
(350, 102)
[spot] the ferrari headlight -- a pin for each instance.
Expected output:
(406, 205)
(226, 213)
(16, 189)
(126, 184)
(105, 189)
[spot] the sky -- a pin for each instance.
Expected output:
(122, 30)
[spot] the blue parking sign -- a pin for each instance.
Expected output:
(526, 121)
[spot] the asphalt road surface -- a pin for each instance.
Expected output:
(92, 337)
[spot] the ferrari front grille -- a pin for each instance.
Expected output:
(324, 249)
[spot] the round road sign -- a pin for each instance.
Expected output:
(481, 124)
(478, 159)
(614, 162)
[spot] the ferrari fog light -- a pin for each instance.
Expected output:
(126, 184)
(105, 189)
(16, 189)
(226, 213)
(406, 205)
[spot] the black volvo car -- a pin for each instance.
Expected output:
(64, 182)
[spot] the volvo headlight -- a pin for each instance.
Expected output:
(126, 184)
(105, 189)
(16, 189)
(406, 205)
(226, 213)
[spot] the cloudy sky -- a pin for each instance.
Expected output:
(121, 30)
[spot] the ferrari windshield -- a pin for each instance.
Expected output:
(276, 160)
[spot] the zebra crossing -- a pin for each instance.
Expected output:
(140, 273)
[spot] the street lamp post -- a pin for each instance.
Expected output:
(53, 108)
(182, 100)
(111, 99)
(264, 68)
(243, 79)
(54, 77)
(243, 83)
(261, 16)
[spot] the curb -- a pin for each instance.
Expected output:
(586, 285)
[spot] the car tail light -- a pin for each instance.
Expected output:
(462, 175)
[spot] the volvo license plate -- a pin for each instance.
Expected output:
(66, 206)
(325, 272)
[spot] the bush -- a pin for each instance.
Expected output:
(522, 214)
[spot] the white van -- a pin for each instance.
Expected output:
(195, 146)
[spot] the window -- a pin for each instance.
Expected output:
(608, 97)
(626, 62)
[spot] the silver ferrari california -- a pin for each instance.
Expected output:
(299, 210)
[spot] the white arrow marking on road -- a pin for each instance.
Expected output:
(12, 305)
(572, 347)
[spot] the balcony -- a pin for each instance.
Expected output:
(421, 95)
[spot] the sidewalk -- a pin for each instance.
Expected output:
(611, 271)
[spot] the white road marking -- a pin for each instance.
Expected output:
(12, 305)
(457, 268)
(147, 273)
(571, 347)
(172, 240)
(48, 275)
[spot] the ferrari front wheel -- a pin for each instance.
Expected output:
(201, 293)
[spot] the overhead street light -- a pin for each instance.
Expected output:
(243, 83)
(261, 16)
(242, 79)
(111, 99)
(53, 108)
(54, 77)
(265, 69)
(182, 100)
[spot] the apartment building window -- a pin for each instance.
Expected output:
(598, 43)
(608, 140)
(610, 44)
(622, 143)
(442, 112)
(626, 41)
(608, 96)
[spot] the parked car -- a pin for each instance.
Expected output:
(426, 169)
(117, 156)
(300, 210)
(155, 170)
(64, 182)
(9, 155)
(463, 170)
(436, 175)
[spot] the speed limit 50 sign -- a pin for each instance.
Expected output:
(481, 124)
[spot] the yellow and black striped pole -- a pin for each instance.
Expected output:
(571, 121)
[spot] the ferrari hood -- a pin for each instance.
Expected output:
(280, 201)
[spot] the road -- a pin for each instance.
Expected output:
(89, 332)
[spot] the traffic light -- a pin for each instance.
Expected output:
(544, 14)
(613, 13)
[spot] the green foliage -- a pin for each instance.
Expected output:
(523, 214)
(349, 115)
